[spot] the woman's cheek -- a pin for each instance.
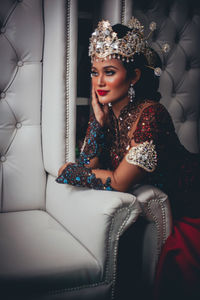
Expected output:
(94, 81)
(113, 82)
(116, 81)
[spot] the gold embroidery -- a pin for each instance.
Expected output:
(143, 155)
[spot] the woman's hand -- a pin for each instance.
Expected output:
(62, 168)
(100, 111)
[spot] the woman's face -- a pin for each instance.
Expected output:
(109, 80)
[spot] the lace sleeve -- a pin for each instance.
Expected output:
(93, 143)
(80, 173)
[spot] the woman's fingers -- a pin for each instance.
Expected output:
(95, 101)
(62, 168)
(100, 111)
(105, 109)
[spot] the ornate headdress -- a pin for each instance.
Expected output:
(104, 43)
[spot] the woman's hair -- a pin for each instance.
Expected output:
(147, 85)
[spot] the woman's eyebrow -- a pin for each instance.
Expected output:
(106, 67)
(111, 66)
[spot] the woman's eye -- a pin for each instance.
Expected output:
(110, 72)
(94, 74)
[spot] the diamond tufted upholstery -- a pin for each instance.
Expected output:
(21, 65)
(178, 24)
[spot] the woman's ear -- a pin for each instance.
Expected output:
(137, 76)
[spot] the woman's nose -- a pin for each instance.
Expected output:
(101, 81)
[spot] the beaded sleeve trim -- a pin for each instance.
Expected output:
(93, 143)
(143, 155)
(79, 175)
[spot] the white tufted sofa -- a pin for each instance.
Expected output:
(61, 242)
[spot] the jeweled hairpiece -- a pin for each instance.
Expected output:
(104, 42)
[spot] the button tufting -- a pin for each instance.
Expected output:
(183, 119)
(188, 66)
(3, 30)
(2, 158)
(3, 95)
(18, 125)
(20, 63)
(177, 38)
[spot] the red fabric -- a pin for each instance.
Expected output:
(178, 272)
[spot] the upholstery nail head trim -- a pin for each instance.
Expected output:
(67, 84)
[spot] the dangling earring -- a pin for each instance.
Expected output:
(131, 92)
(109, 104)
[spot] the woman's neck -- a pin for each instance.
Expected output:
(119, 105)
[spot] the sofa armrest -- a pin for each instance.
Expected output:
(156, 211)
(95, 218)
(155, 208)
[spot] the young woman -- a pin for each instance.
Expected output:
(131, 139)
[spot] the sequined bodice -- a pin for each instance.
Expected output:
(118, 133)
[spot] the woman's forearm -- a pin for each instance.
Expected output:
(93, 145)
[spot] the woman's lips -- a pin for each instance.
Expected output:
(102, 92)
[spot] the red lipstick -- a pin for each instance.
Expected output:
(102, 92)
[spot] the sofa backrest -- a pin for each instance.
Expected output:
(38, 42)
(22, 175)
(178, 24)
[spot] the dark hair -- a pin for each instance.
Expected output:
(148, 84)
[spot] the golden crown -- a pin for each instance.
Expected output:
(104, 42)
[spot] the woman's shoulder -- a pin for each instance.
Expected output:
(152, 108)
(155, 116)
(154, 122)
(153, 104)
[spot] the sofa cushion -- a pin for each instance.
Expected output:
(38, 254)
